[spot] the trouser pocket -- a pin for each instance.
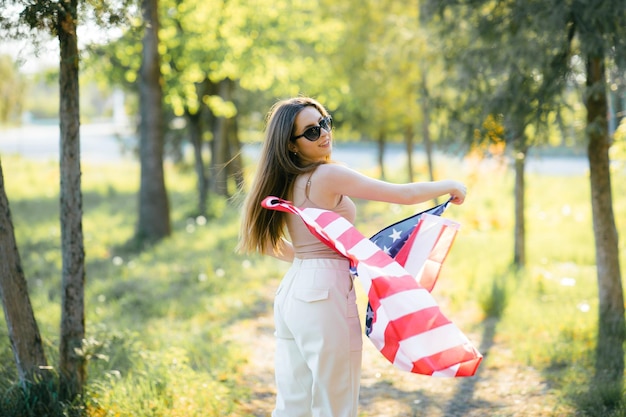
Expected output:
(310, 295)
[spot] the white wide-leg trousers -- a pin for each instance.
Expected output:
(318, 341)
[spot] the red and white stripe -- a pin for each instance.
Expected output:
(408, 327)
(427, 247)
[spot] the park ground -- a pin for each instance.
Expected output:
(502, 387)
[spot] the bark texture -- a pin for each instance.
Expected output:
(72, 364)
(611, 325)
(23, 331)
(154, 221)
(519, 245)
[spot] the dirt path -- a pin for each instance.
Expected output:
(501, 387)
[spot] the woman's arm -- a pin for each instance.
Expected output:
(284, 251)
(332, 180)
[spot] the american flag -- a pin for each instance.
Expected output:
(403, 320)
(428, 245)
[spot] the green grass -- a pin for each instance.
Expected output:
(156, 318)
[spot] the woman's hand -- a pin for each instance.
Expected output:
(457, 194)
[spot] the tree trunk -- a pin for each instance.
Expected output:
(23, 331)
(562, 129)
(219, 149)
(71, 364)
(519, 245)
(195, 134)
(381, 152)
(611, 326)
(428, 143)
(154, 220)
(218, 172)
(408, 144)
(236, 160)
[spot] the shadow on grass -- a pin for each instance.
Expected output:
(462, 401)
(493, 306)
(420, 403)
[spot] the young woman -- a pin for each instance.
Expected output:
(318, 331)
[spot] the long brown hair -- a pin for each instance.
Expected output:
(276, 172)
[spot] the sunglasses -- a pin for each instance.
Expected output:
(313, 133)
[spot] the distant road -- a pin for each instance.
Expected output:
(99, 142)
(102, 143)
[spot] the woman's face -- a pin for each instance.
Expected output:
(311, 151)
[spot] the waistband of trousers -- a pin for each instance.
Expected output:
(321, 262)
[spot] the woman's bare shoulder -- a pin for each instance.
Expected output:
(332, 170)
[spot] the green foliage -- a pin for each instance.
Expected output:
(12, 85)
(142, 382)
(373, 64)
(527, 61)
(34, 400)
(606, 400)
(386, 66)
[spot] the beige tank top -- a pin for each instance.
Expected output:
(305, 244)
